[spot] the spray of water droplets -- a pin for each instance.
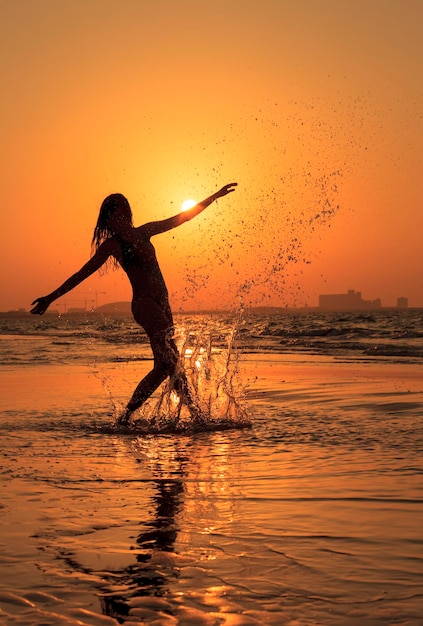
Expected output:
(210, 362)
(256, 244)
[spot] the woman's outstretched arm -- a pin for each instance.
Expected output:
(100, 257)
(154, 228)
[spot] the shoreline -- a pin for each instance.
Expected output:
(312, 515)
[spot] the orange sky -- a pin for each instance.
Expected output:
(314, 107)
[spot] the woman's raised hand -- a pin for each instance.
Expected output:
(226, 189)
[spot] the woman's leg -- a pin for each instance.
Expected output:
(158, 324)
(165, 363)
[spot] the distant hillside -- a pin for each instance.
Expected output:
(124, 308)
(115, 307)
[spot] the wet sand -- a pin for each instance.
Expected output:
(312, 516)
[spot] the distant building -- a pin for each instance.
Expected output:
(15, 313)
(402, 303)
(350, 301)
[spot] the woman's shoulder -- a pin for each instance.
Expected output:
(110, 244)
(142, 231)
(109, 247)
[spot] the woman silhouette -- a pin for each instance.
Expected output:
(115, 236)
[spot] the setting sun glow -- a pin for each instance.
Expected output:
(188, 204)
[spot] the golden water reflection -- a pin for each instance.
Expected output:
(194, 487)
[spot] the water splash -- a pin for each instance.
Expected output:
(213, 377)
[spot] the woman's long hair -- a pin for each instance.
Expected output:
(102, 230)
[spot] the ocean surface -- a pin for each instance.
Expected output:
(298, 501)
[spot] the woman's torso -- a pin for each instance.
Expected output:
(138, 259)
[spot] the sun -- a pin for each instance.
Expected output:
(188, 204)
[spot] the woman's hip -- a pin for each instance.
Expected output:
(152, 316)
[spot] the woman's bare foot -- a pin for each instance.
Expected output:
(124, 419)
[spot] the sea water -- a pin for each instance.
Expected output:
(311, 515)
